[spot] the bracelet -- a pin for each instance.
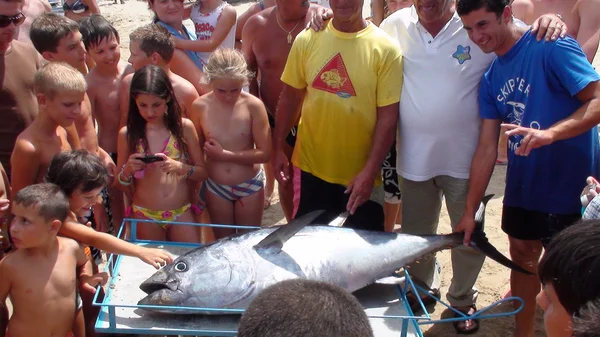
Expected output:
(560, 17)
(120, 175)
(190, 172)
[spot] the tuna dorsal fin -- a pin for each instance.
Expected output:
(283, 233)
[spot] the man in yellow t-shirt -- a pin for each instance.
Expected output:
(347, 80)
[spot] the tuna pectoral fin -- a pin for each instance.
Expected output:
(480, 242)
(276, 239)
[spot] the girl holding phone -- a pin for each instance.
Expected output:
(160, 159)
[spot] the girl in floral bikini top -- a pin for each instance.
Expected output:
(160, 159)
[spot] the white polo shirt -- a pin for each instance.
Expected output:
(439, 114)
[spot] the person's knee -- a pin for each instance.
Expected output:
(526, 252)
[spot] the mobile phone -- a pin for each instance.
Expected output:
(151, 159)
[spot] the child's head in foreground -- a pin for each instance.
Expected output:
(60, 91)
(227, 73)
(39, 211)
(304, 308)
(570, 274)
(587, 323)
(101, 41)
(81, 175)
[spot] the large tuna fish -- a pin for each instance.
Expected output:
(230, 272)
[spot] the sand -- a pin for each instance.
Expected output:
(494, 278)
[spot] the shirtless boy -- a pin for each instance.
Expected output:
(153, 44)
(60, 90)
(40, 276)
(266, 45)
(581, 16)
(101, 41)
(235, 126)
(57, 38)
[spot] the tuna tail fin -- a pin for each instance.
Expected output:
(481, 243)
(480, 214)
(282, 234)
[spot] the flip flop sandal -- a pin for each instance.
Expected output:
(474, 325)
(414, 304)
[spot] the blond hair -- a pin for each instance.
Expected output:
(226, 64)
(58, 77)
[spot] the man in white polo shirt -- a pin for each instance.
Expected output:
(438, 133)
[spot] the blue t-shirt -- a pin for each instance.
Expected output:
(534, 85)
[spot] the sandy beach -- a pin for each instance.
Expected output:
(493, 280)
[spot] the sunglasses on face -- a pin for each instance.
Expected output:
(17, 20)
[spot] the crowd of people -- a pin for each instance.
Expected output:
(383, 118)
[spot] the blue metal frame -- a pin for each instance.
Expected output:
(409, 285)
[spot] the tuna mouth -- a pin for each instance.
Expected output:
(149, 288)
(152, 287)
(160, 294)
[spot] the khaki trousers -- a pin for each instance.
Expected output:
(421, 205)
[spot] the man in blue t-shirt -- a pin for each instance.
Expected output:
(548, 96)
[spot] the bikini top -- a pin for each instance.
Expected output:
(77, 7)
(170, 148)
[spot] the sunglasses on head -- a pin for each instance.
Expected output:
(17, 20)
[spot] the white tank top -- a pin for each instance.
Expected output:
(205, 25)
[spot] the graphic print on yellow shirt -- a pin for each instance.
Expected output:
(334, 78)
(346, 77)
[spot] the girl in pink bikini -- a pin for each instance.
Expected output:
(160, 159)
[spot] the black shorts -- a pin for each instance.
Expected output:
(317, 194)
(523, 224)
(291, 137)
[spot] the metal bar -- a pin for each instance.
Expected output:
(132, 220)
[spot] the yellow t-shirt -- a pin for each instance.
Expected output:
(346, 76)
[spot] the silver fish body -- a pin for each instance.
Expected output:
(231, 272)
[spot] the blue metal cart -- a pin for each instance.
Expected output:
(385, 301)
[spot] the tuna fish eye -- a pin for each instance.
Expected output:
(181, 266)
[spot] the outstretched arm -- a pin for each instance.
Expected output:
(111, 244)
(224, 26)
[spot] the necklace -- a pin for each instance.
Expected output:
(289, 34)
